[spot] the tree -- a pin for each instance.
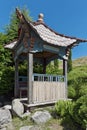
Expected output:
(4, 64)
(56, 63)
(4, 54)
(6, 61)
(12, 29)
(53, 68)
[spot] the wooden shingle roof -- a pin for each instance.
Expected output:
(48, 35)
(54, 38)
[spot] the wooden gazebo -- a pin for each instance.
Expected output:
(37, 42)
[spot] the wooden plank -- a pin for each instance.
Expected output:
(48, 91)
(43, 103)
(52, 49)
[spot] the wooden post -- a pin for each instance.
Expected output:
(44, 66)
(65, 74)
(63, 67)
(16, 87)
(30, 74)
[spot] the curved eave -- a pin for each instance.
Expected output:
(77, 43)
(52, 38)
(11, 45)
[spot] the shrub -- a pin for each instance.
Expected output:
(80, 111)
(7, 80)
(71, 92)
(63, 108)
(77, 82)
(83, 90)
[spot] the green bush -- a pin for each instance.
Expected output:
(74, 113)
(77, 82)
(71, 92)
(83, 90)
(80, 111)
(63, 108)
(7, 80)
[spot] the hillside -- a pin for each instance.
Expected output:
(76, 63)
(79, 62)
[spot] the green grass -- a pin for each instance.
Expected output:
(50, 125)
(17, 122)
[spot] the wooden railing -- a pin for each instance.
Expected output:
(42, 77)
(46, 87)
(48, 77)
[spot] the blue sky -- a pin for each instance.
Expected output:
(68, 17)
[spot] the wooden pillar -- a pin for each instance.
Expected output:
(30, 74)
(16, 87)
(65, 74)
(44, 66)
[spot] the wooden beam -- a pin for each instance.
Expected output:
(65, 74)
(16, 87)
(44, 66)
(30, 74)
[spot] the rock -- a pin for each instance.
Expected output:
(5, 117)
(10, 126)
(26, 114)
(3, 129)
(17, 108)
(7, 107)
(26, 128)
(41, 117)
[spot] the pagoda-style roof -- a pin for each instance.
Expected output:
(54, 38)
(47, 36)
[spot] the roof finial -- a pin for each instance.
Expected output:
(40, 17)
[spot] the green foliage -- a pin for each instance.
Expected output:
(82, 90)
(77, 90)
(6, 59)
(12, 29)
(38, 68)
(80, 111)
(71, 92)
(4, 54)
(74, 113)
(22, 68)
(56, 63)
(53, 68)
(26, 13)
(7, 80)
(77, 82)
(63, 108)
